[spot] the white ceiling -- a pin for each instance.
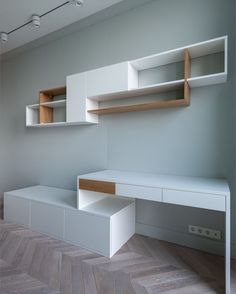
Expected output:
(14, 13)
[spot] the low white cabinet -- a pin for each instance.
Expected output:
(102, 227)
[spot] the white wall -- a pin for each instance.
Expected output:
(191, 141)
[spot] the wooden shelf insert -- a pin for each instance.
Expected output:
(47, 104)
(47, 95)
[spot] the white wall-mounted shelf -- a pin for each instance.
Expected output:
(196, 52)
(202, 64)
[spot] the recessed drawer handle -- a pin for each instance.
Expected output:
(97, 186)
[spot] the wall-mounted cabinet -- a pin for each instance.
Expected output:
(128, 86)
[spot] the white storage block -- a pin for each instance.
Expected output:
(103, 226)
(111, 79)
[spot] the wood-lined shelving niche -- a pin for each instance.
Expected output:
(51, 108)
(128, 86)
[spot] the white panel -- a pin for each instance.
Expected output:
(207, 47)
(88, 231)
(132, 77)
(122, 227)
(140, 192)
(16, 210)
(226, 54)
(85, 198)
(108, 206)
(76, 97)
(50, 195)
(48, 219)
(176, 55)
(207, 80)
(192, 199)
(159, 59)
(106, 80)
(32, 115)
(77, 102)
(90, 117)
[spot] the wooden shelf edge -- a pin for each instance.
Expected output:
(142, 107)
(55, 91)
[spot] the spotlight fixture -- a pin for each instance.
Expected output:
(78, 3)
(4, 37)
(36, 20)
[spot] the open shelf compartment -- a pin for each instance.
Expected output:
(52, 109)
(159, 88)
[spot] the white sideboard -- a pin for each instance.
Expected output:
(103, 227)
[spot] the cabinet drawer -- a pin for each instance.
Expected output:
(16, 210)
(47, 219)
(139, 192)
(88, 231)
(194, 199)
(97, 186)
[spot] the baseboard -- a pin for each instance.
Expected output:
(192, 241)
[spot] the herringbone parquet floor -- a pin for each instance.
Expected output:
(32, 263)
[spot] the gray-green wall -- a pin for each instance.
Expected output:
(192, 141)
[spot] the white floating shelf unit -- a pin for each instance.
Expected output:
(181, 69)
(204, 64)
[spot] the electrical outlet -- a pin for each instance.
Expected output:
(204, 232)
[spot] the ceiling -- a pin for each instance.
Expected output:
(14, 13)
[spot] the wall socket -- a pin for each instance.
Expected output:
(204, 232)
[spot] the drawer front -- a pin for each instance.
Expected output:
(97, 186)
(88, 231)
(108, 79)
(193, 199)
(47, 219)
(139, 192)
(16, 210)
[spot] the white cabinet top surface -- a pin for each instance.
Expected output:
(184, 183)
(107, 207)
(50, 195)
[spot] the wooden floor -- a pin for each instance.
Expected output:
(32, 263)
